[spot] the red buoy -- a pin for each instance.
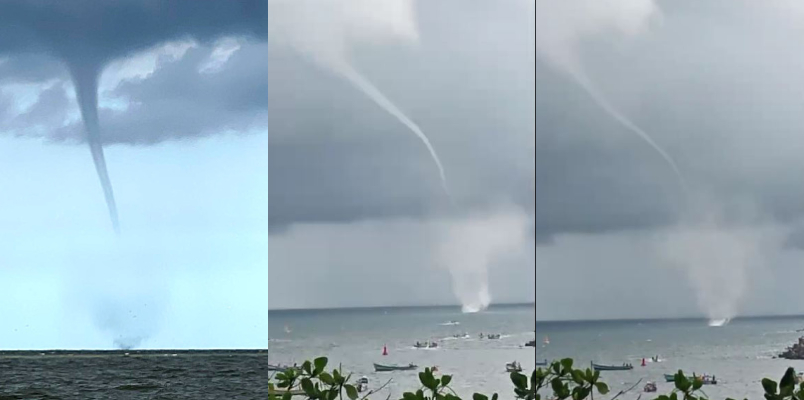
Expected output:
(385, 350)
(643, 362)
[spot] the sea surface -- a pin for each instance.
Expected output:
(91, 375)
(355, 339)
(739, 354)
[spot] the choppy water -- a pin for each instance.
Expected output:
(355, 338)
(196, 375)
(739, 354)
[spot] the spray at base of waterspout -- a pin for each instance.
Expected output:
(719, 322)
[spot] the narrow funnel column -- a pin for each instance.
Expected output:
(85, 80)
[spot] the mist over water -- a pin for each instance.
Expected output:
(470, 248)
(122, 288)
(719, 250)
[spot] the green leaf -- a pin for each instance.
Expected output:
(589, 376)
(557, 386)
(567, 364)
(493, 397)
(602, 388)
(697, 384)
(287, 396)
(326, 378)
(769, 386)
(307, 368)
(320, 364)
(446, 379)
(577, 376)
(351, 392)
(408, 396)
(307, 386)
(478, 396)
(681, 381)
(789, 378)
(519, 380)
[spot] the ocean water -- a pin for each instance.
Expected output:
(739, 354)
(191, 375)
(355, 338)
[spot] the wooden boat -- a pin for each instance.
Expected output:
(541, 363)
(706, 379)
(282, 368)
(650, 387)
(624, 367)
(513, 367)
(389, 368)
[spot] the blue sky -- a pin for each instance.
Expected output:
(194, 239)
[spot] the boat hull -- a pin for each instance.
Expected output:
(389, 368)
(597, 367)
(672, 378)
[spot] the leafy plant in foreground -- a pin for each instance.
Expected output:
(560, 380)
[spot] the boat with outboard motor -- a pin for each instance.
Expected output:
(389, 368)
(706, 379)
(624, 367)
(513, 367)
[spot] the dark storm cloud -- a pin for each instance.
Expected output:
(100, 31)
(335, 156)
(717, 86)
(39, 39)
(232, 99)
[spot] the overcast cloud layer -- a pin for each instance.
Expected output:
(347, 177)
(718, 85)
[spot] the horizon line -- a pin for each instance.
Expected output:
(676, 318)
(270, 310)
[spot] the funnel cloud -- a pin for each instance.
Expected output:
(85, 37)
(345, 176)
(703, 81)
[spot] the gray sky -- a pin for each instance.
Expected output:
(182, 95)
(717, 84)
(354, 195)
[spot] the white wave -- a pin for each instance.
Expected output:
(719, 322)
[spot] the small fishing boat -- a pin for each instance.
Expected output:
(513, 367)
(541, 363)
(532, 343)
(282, 368)
(493, 336)
(389, 368)
(546, 340)
(706, 379)
(426, 345)
(362, 384)
(650, 387)
(624, 367)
